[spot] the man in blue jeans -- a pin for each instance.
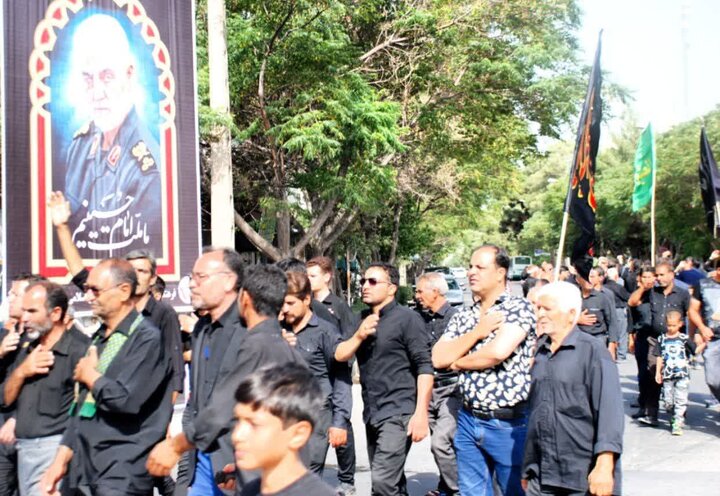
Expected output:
(491, 344)
(704, 313)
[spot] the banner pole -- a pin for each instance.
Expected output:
(652, 219)
(563, 231)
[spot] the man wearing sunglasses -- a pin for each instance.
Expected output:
(396, 373)
(122, 405)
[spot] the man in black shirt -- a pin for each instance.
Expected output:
(40, 384)
(430, 294)
(315, 340)
(575, 431)
(663, 297)
(209, 427)
(214, 284)
(123, 406)
(638, 338)
(320, 272)
(396, 374)
(10, 335)
(598, 315)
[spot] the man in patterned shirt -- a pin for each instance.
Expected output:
(491, 344)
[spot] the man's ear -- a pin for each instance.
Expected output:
(56, 315)
(300, 435)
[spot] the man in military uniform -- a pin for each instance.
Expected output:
(112, 179)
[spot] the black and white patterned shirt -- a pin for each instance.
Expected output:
(508, 383)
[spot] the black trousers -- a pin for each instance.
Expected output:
(388, 445)
(8, 470)
(641, 357)
(346, 460)
(652, 391)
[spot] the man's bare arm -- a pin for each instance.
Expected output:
(506, 341)
(60, 213)
(445, 352)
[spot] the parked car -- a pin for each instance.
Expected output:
(455, 294)
(460, 274)
(517, 266)
(441, 269)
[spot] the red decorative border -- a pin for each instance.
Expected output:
(57, 16)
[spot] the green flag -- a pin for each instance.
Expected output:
(644, 169)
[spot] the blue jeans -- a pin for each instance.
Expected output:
(711, 356)
(489, 447)
(204, 482)
(34, 458)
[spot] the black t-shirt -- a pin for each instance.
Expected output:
(307, 485)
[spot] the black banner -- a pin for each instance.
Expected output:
(709, 184)
(99, 103)
(580, 202)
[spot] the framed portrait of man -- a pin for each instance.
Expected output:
(110, 96)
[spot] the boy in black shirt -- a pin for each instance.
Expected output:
(275, 411)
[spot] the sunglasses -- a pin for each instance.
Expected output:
(95, 290)
(372, 281)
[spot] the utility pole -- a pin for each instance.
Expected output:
(222, 208)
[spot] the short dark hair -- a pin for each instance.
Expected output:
(27, 276)
(55, 296)
(289, 392)
(675, 313)
(143, 255)
(298, 284)
(392, 272)
(121, 272)
(266, 285)
(325, 264)
(291, 264)
(502, 259)
(647, 268)
(234, 263)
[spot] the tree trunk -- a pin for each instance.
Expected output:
(396, 233)
(221, 191)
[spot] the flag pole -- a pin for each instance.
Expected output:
(652, 215)
(563, 232)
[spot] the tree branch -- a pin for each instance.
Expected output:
(260, 243)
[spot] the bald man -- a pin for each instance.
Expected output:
(112, 180)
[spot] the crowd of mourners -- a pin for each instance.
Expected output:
(519, 394)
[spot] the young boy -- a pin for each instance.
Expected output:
(275, 411)
(672, 371)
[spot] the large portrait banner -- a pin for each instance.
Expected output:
(99, 104)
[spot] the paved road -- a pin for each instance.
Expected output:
(654, 464)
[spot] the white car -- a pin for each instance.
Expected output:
(460, 274)
(455, 293)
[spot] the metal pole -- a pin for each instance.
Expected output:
(652, 219)
(563, 232)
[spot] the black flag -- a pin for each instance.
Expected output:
(709, 184)
(580, 202)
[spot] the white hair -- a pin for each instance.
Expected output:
(102, 33)
(435, 280)
(566, 295)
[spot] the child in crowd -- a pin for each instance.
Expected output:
(674, 349)
(275, 411)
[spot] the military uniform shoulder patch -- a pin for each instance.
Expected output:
(142, 154)
(82, 131)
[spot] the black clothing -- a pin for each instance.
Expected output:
(436, 324)
(307, 485)
(621, 295)
(707, 292)
(323, 312)
(215, 348)
(603, 309)
(576, 412)
(388, 446)
(133, 412)
(630, 279)
(660, 304)
(390, 361)
(339, 308)
(317, 343)
(44, 400)
(209, 426)
(164, 317)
